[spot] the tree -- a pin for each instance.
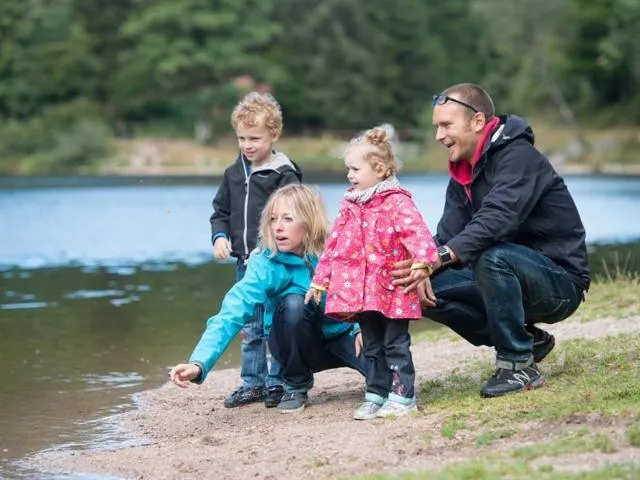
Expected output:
(184, 55)
(45, 57)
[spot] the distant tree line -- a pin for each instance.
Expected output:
(84, 69)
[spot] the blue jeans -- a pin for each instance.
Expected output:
(296, 339)
(509, 287)
(255, 372)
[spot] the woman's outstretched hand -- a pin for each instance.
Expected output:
(183, 373)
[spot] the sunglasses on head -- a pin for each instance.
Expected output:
(442, 99)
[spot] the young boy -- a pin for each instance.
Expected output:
(258, 171)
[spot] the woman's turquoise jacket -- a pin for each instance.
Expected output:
(268, 278)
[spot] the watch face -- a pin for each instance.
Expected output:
(444, 254)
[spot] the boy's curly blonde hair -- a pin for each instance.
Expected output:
(377, 149)
(256, 108)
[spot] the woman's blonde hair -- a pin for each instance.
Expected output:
(307, 208)
(377, 149)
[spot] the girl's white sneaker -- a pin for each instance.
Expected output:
(392, 408)
(366, 411)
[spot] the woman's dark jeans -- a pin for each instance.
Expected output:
(509, 286)
(297, 341)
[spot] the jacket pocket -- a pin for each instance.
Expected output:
(384, 281)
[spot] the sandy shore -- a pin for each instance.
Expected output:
(190, 435)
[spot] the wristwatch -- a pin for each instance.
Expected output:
(445, 255)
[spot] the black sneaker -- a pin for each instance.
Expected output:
(543, 343)
(292, 402)
(507, 380)
(274, 395)
(245, 396)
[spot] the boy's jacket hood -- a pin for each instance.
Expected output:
(278, 162)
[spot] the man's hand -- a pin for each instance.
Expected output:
(425, 293)
(402, 276)
(221, 248)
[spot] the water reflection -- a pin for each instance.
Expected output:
(75, 343)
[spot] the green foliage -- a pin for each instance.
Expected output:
(182, 56)
(605, 53)
(61, 138)
(44, 57)
(333, 64)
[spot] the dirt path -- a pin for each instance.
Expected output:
(191, 436)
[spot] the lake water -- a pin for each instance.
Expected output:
(105, 283)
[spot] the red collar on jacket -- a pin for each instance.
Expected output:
(462, 171)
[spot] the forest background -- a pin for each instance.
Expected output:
(130, 86)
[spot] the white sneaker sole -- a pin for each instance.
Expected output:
(296, 410)
(403, 413)
(364, 417)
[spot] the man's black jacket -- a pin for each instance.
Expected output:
(515, 196)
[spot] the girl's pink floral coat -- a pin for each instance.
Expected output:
(365, 242)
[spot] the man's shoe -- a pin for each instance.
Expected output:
(245, 396)
(366, 411)
(392, 408)
(292, 402)
(274, 395)
(543, 343)
(507, 380)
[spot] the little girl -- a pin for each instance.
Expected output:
(377, 225)
(293, 228)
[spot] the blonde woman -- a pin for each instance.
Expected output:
(293, 229)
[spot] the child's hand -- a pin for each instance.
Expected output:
(221, 248)
(415, 277)
(359, 344)
(183, 373)
(313, 293)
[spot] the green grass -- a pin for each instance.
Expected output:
(489, 437)
(591, 403)
(450, 427)
(617, 298)
(492, 469)
(578, 441)
(583, 376)
(633, 434)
